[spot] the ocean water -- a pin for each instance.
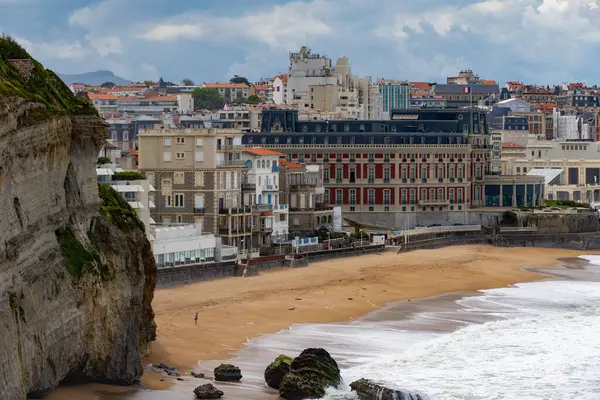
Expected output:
(533, 341)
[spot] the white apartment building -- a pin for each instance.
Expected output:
(260, 189)
(241, 117)
(185, 104)
(306, 70)
(568, 125)
(575, 163)
(138, 193)
(176, 246)
(280, 89)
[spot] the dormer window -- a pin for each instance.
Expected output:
(346, 127)
(361, 128)
(304, 128)
(318, 128)
(301, 140)
(393, 128)
(250, 140)
(289, 140)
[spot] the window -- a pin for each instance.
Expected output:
(371, 140)
(180, 156)
(340, 140)
(326, 175)
(352, 140)
(518, 170)
(477, 193)
(168, 201)
(179, 178)
(326, 196)
(338, 196)
(199, 142)
(346, 127)
(301, 140)
(167, 156)
(386, 175)
(178, 200)
(403, 196)
(338, 175)
(403, 173)
(412, 196)
(125, 135)
(423, 194)
(412, 172)
(371, 196)
(431, 194)
(352, 196)
(180, 140)
(440, 194)
(199, 156)
(424, 174)
(460, 172)
(150, 177)
(167, 141)
(371, 175)
(113, 135)
(451, 195)
(460, 195)
(199, 179)
(386, 197)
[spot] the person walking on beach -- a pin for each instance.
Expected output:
(196, 319)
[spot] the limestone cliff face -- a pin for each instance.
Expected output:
(75, 290)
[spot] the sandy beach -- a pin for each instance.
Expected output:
(233, 310)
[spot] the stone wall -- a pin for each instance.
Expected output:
(565, 223)
(486, 218)
(167, 277)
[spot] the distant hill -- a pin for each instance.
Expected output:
(93, 78)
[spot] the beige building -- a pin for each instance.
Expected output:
(198, 175)
(301, 188)
(576, 167)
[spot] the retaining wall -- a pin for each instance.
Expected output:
(166, 277)
(341, 253)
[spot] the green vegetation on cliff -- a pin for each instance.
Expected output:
(116, 209)
(42, 85)
(79, 259)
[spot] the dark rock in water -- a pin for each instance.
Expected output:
(310, 373)
(163, 369)
(228, 373)
(199, 375)
(369, 390)
(208, 391)
(277, 370)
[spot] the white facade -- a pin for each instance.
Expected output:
(569, 126)
(137, 193)
(185, 104)
(183, 245)
(263, 174)
(279, 91)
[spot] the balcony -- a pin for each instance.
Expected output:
(386, 158)
(352, 159)
(198, 210)
(262, 207)
(249, 187)
(230, 163)
(229, 147)
(371, 159)
(276, 168)
(434, 202)
(302, 186)
(235, 210)
(270, 188)
(338, 180)
(235, 231)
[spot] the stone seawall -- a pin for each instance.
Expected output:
(575, 241)
(167, 277)
(342, 253)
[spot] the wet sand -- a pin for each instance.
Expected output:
(232, 311)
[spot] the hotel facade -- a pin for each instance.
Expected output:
(430, 161)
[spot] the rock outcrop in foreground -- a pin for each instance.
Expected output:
(310, 374)
(369, 390)
(277, 370)
(76, 274)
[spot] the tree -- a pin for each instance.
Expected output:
(108, 85)
(254, 99)
(148, 83)
(103, 160)
(187, 82)
(239, 79)
(207, 99)
(239, 100)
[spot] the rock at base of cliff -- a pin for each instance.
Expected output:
(277, 370)
(163, 369)
(310, 373)
(228, 373)
(369, 390)
(208, 391)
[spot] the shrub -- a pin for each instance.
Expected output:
(116, 209)
(103, 160)
(78, 258)
(128, 176)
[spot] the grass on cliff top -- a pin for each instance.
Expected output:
(44, 86)
(79, 259)
(117, 210)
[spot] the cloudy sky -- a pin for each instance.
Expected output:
(539, 41)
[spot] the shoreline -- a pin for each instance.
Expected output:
(233, 312)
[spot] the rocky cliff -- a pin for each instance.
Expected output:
(76, 273)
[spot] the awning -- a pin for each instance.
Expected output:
(136, 204)
(128, 188)
(549, 174)
(151, 204)
(151, 189)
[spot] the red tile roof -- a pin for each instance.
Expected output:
(102, 96)
(424, 86)
(259, 151)
(290, 164)
(261, 88)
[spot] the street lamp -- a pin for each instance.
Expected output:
(329, 242)
(360, 232)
